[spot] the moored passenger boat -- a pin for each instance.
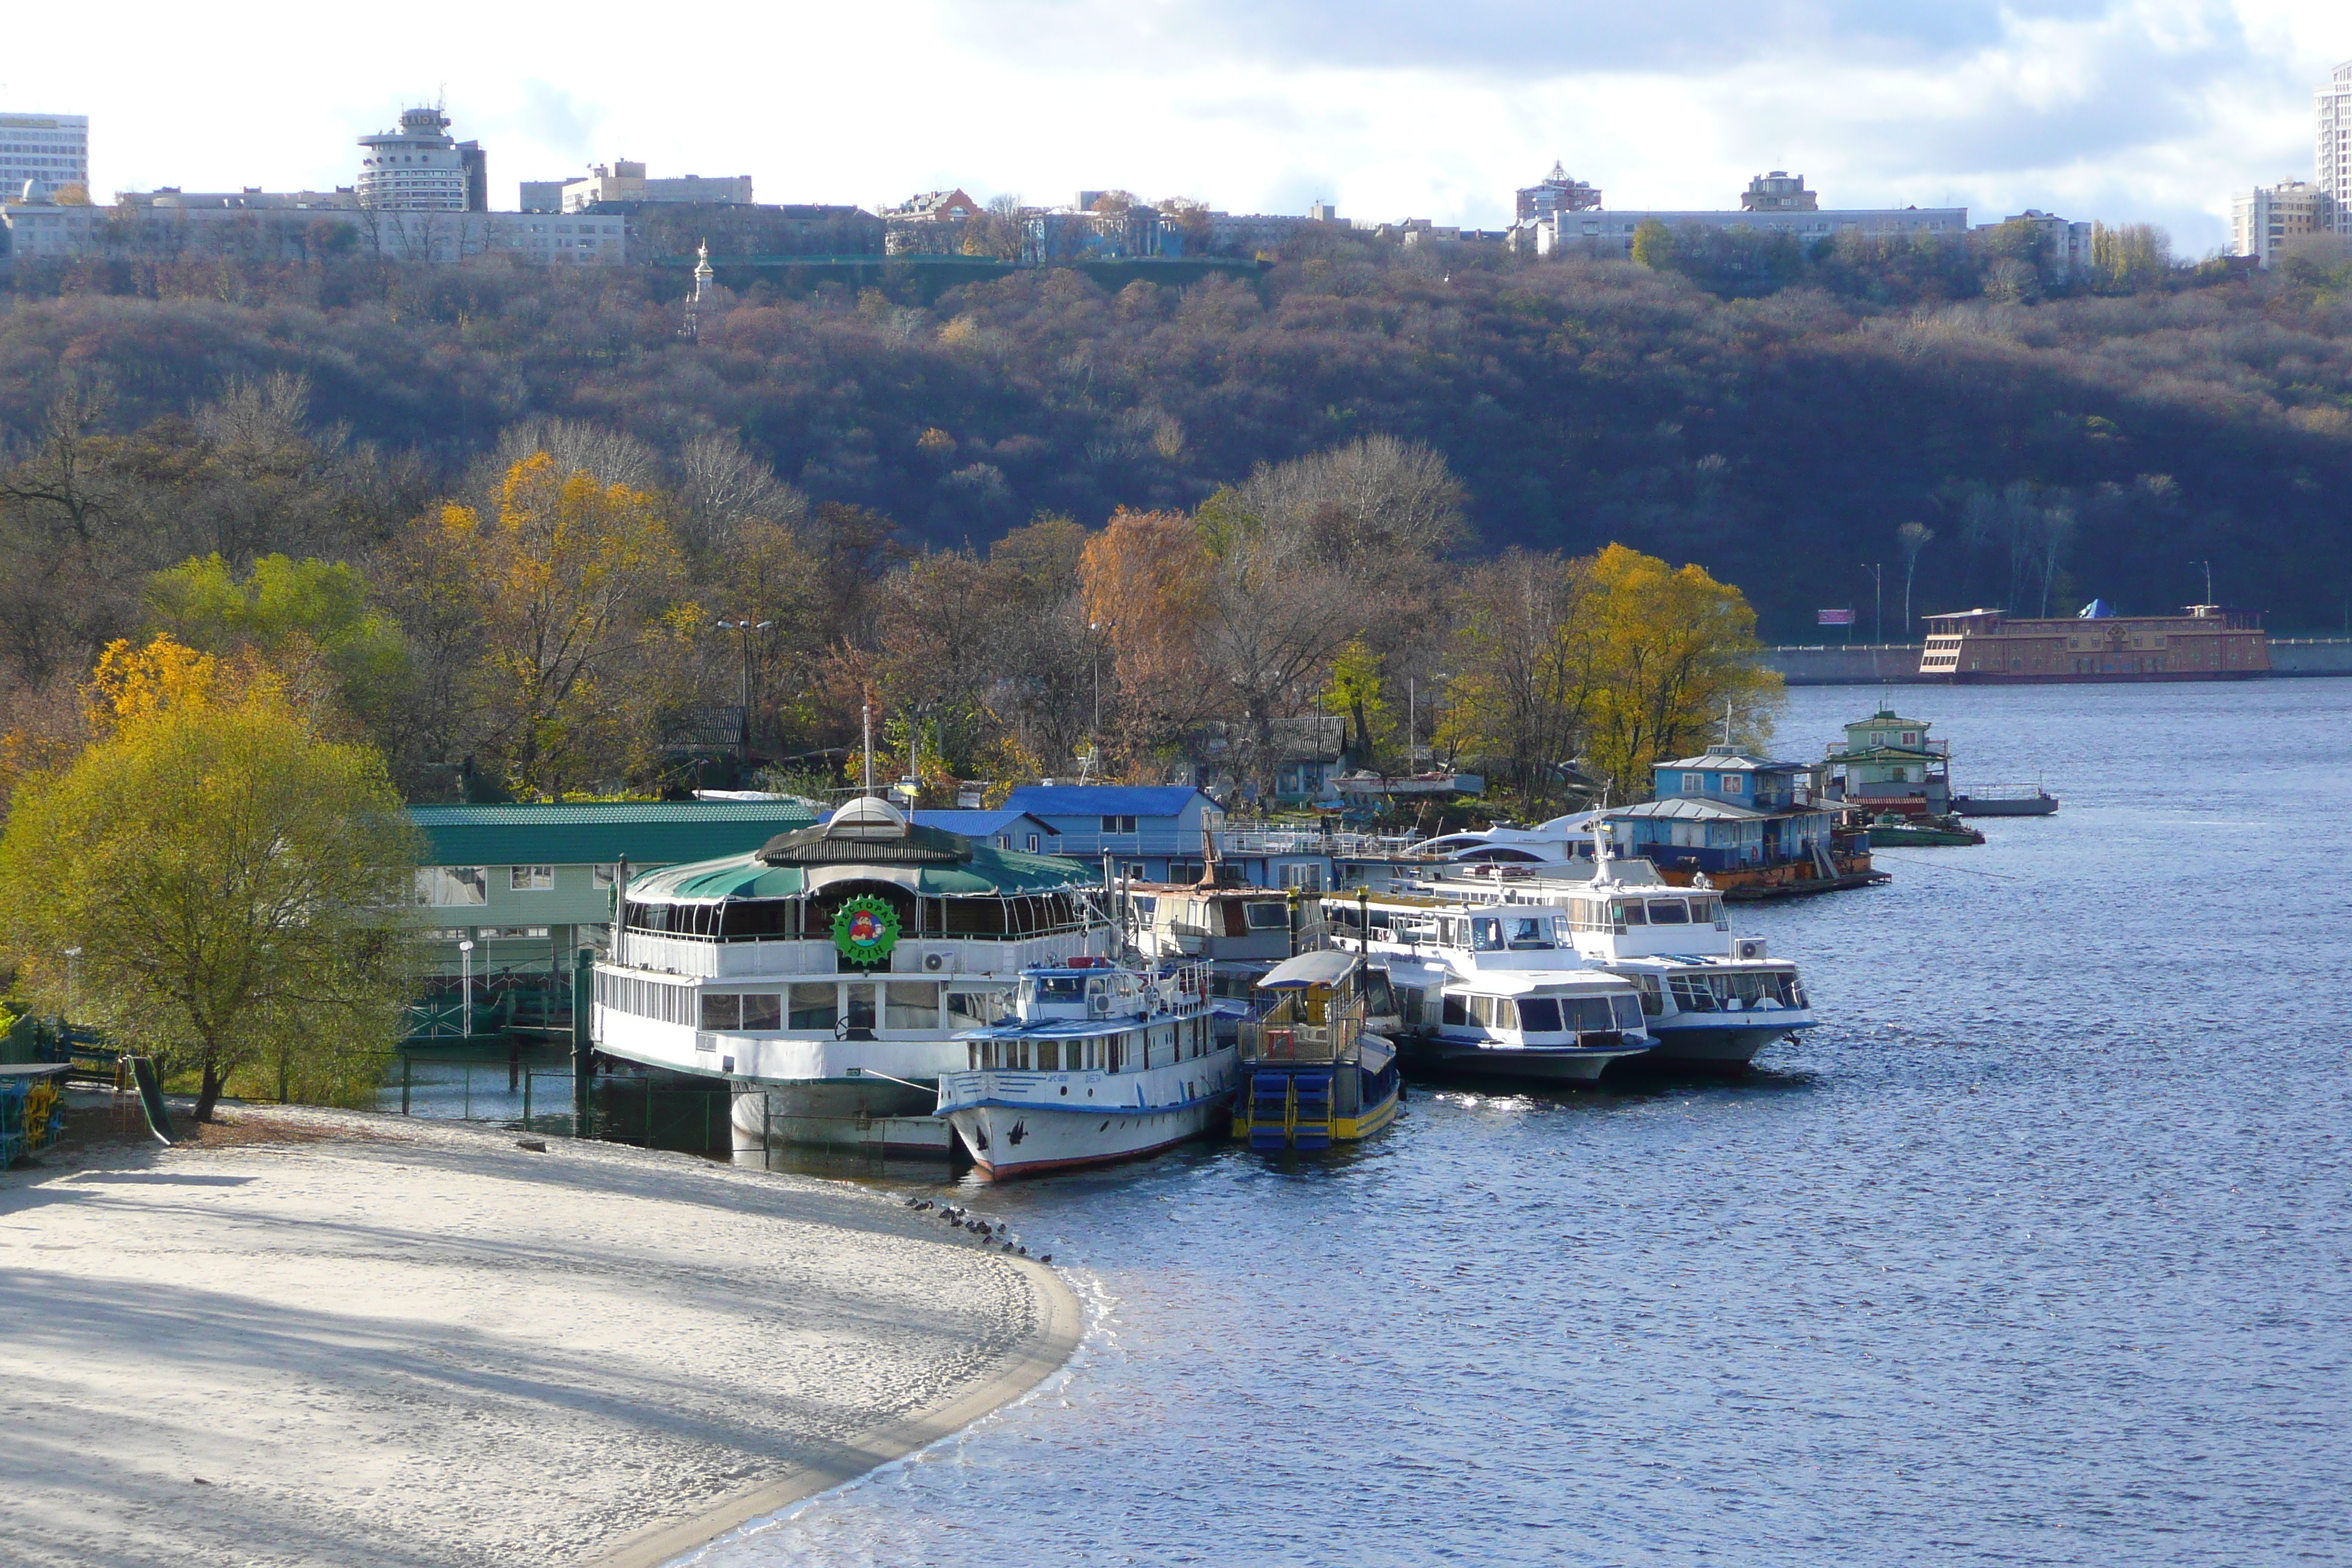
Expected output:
(1709, 997)
(828, 977)
(1098, 1062)
(1313, 1072)
(1491, 992)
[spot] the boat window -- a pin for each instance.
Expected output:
(1265, 916)
(1629, 913)
(1530, 931)
(1049, 1055)
(1539, 1015)
(859, 1013)
(1653, 1001)
(1628, 1011)
(1506, 1013)
(1454, 1013)
(1486, 934)
(1057, 987)
(1586, 1015)
(1482, 1010)
(814, 1005)
(764, 1010)
(722, 1010)
(1379, 999)
(912, 1005)
(975, 1009)
(973, 1050)
(1669, 912)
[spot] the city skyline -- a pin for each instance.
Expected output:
(2134, 111)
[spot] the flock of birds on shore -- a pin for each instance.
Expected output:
(961, 1219)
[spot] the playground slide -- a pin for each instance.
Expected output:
(151, 1098)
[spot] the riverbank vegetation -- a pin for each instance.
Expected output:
(207, 876)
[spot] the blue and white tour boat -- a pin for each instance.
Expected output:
(1099, 1061)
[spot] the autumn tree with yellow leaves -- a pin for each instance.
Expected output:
(208, 880)
(1611, 663)
(572, 593)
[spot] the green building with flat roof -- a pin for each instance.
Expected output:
(528, 884)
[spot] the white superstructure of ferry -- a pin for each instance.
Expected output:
(738, 970)
(1099, 1062)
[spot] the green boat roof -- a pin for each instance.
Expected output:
(866, 840)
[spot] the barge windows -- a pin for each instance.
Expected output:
(978, 1009)
(1539, 1015)
(443, 885)
(741, 1010)
(815, 1004)
(762, 1010)
(1267, 915)
(857, 1011)
(910, 1004)
(1669, 912)
(530, 878)
(1049, 1055)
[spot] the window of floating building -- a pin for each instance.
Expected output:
(977, 1009)
(530, 878)
(444, 885)
(814, 1004)
(910, 1004)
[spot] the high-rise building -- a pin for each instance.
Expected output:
(418, 168)
(46, 152)
(1778, 192)
(1556, 193)
(2266, 220)
(2336, 146)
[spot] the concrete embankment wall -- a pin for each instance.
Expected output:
(1875, 663)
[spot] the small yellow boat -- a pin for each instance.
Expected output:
(1312, 1075)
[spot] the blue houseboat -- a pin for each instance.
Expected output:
(1753, 827)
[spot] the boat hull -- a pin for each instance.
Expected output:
(2028, 806)
(1379, 1096)
(1580, 1064)
(1709, 1045)
(1009, 1141)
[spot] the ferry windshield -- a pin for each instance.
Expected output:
(1486, 934)
(1267, 916)
(1530, 931)
(1669, 912)
(1057, 987)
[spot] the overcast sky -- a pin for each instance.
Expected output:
(2121, 110)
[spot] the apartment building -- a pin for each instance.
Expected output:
(2266, 220)
(40, 154)
(1776, 203)
(421, 168)
(2335, 147)
(624, 181)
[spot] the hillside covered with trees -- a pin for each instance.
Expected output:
(514, 516)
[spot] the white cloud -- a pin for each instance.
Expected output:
(2122, 110)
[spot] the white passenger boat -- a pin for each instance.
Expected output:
(1486, 991)
(1709, 997)
(1099, 1062)
(830, 976)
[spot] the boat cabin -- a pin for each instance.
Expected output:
(1889, 763)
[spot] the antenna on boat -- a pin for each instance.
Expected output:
(865, 720)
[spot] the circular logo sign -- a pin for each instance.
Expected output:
(865, 930)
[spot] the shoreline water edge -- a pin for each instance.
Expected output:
(322, 1337)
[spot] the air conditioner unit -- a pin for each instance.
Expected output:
(1098, 1006)
(1749, 947)
(935, 962)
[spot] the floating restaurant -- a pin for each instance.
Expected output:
(1990, 647)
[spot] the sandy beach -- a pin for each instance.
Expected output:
(336, 1339)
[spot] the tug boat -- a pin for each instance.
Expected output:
(1313, 1073)
(1099, 1062)
(1490, 991)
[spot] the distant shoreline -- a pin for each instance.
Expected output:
(313, 1333)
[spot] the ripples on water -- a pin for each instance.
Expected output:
(2034, 1253)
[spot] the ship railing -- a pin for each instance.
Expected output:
(1283, 1035)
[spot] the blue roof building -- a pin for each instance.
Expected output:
(1000, 829)
(1151, 832)
(1729, 811)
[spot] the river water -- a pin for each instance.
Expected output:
(2035, 1252)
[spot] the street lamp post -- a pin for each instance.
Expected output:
(2209, 578)
(465, 989)
(745, 626)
